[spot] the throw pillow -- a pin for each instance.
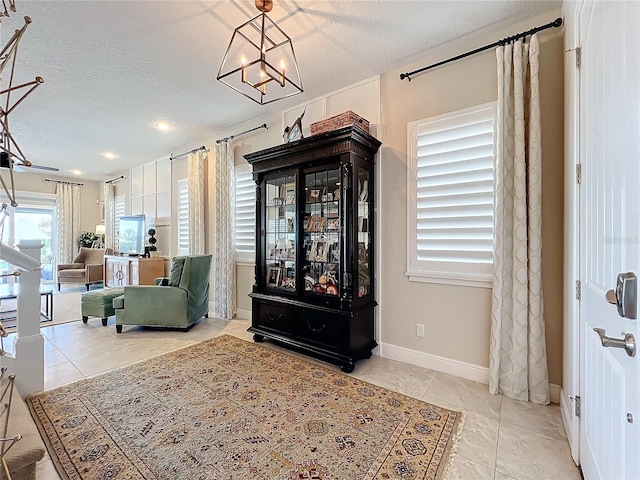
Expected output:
(177, 264)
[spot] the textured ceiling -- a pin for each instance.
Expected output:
(113, 69)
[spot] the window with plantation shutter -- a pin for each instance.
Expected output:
(183, 217)
(450, 197)
(118, 213)
(245, 240)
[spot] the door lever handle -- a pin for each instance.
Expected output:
(628, 342)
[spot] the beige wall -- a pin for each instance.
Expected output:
(456, 318)
(90, 193)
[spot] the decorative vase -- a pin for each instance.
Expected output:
(153, 250)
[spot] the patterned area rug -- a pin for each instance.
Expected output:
(231, 409)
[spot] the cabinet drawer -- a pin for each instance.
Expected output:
(324, 329)
(276, 318)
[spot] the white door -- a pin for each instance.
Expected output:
(610, 240)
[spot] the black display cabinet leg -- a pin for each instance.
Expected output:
(348, 367)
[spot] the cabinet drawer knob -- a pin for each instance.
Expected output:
(319, 329)
(272, 318)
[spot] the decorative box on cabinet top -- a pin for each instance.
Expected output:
(344, 119)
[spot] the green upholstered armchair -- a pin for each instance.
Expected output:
(176, 302)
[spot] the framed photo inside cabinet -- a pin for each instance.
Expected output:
(334, 253)
(333, 224)
(314, 195)
(318, 224)
(321, 250)
(308, 224)
(288, 193)
(273, 276)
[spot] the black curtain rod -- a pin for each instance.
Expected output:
(264, 125)
(115, 179)
(556, 23)
(175, 157)
(60, 181)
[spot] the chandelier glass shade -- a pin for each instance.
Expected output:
(260, 62)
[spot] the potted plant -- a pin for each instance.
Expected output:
(86, 239)
(153, 250)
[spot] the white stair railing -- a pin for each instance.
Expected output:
(27, 360)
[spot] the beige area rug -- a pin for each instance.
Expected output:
(231, 409)
(66, 308)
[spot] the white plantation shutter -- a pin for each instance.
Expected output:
(183, 217)
(245, 215)
(450, 197)
(118, 213)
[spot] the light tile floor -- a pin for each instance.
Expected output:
(502, 439)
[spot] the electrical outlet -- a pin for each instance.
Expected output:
(419, 330)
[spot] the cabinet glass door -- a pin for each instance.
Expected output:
(365, 213)
(322, 229)
(280, 232)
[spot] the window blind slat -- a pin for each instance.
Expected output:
(466, 165)
(456, 178)
(435, 191)
(480, 198)
(456, 145)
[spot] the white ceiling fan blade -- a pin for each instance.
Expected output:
(44, 167)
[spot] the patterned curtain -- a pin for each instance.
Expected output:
(67, 221)
(224, 265)
(195, 180)
(110, 216)
(518, 358)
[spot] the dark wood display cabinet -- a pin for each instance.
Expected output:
(314, 285)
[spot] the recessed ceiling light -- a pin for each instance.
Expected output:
(165, 127)
(109, 155)
(76, 172)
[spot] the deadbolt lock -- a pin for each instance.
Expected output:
(625, 295)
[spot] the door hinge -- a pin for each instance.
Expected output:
(578, 173)
(576, 404)
(578, 57)
(578, 289)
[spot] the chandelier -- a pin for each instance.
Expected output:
(260, 62)
(11, 96)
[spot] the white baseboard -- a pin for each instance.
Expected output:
(450, 366)
(434, 362)
(555, 392)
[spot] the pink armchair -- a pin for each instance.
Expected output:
(86, 268)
